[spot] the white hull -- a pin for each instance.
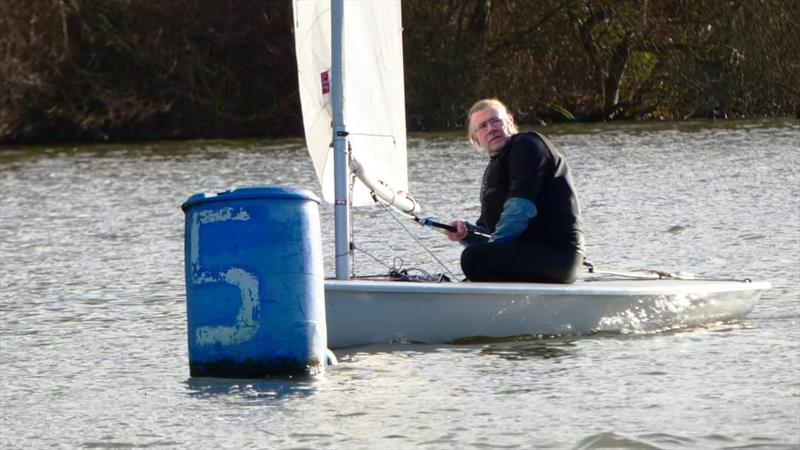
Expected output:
(368, 312)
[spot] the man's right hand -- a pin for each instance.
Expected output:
(461, 230)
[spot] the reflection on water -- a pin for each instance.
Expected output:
(541, 349)
(250, 389)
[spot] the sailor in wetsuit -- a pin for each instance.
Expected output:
(528, 205)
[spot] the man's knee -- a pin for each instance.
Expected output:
(470, 263)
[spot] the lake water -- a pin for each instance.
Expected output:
(93, 319)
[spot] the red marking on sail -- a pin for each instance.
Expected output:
(326, 84)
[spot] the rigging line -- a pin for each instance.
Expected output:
(372, 256)
(386, 208)
(391, 136)
(650, 274)
(635, 274)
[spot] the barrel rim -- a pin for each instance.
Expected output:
(250, 193)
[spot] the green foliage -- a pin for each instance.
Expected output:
(147, 69)
(126, 70)
(625, 59)
(563, 112)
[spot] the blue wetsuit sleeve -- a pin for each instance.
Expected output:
(517, 212)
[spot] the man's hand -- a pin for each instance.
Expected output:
(461, 230)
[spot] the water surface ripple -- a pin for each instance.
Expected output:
(93, 319)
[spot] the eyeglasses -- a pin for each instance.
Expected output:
(487, 124)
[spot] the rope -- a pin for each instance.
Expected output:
(427, 250)
(648, 274)
(376, 258)
(394, 272)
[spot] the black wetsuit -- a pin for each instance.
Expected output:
(551, 247)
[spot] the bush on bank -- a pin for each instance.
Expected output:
(157, 69)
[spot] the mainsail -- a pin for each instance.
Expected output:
(374, 106)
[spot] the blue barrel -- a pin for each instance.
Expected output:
(254, 283)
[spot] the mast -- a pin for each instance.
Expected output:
(340, 151)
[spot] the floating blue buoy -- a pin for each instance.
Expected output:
(254, 283)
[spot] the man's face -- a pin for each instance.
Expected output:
(489, 129)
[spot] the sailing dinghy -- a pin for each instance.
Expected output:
(350, 65)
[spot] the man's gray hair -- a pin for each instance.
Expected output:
(506, 116)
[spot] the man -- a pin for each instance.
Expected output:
(528, 205)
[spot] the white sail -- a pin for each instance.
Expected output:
(374, 111)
